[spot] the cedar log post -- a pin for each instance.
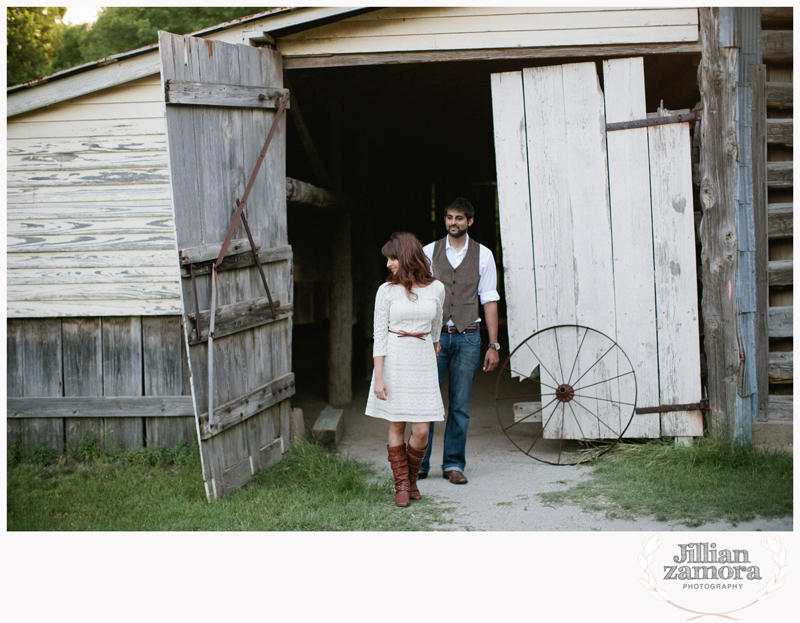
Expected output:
(716, 78)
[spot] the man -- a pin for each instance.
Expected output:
(468, 272)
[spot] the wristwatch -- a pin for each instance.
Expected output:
(496, 346)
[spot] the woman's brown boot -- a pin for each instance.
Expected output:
(399, 461)
(414, 462)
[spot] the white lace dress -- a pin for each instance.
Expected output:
(409, 366)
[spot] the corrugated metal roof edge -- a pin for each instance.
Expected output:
(108, 60)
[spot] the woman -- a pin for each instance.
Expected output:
(405, 382)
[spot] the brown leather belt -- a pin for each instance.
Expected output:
(419, 336)
(451, 329)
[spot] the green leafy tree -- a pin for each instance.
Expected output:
(70, 43)
(30, 35)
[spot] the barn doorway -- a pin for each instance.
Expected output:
(402, 140)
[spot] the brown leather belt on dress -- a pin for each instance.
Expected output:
(419, 336)
(451, 329)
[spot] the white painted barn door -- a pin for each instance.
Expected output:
(220, 104)
(597, 230)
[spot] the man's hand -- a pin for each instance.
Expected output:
(491, 360)
(437, 348)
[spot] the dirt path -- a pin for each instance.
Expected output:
(503, 482)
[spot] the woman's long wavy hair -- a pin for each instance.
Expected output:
(414, 267)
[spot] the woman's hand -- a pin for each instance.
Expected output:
(437, 348)
(380, 390)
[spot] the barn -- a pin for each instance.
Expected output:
(391, 113)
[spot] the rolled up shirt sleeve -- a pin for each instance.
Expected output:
(487, 282)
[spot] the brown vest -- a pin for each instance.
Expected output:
(460, 284)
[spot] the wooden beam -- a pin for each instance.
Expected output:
(310, 195)
(780, 321)
(237, 317)
(780, 220)
(781, 408)
(780, 174)
(777, 46)
(777, 16)
(241, 260)
(100, 406)
(296, 114)
(395, 58)
(780, 95)
(780, 272)
(781, 368)
(207, 252)
(718, 232)
(206, 94)
(248, 405)
(780, 132)
(758, 140)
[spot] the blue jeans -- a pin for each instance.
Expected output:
(461, 352)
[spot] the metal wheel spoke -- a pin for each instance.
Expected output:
(577, 421)
(528, 396)
(530, 414)
(595, 363)
(597, 417)
(577, 389)
(552, 376)
(558, 353)
(541, 432)
(561, 438)
(585, 333)
(619, 402)
(529, 378)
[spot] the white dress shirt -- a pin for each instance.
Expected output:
(487, 282)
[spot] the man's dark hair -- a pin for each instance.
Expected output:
(460, 204)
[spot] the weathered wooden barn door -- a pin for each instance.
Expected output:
(221, 103)
(597, 230)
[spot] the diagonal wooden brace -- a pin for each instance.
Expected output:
(252, 180)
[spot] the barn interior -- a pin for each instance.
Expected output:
(401, 141)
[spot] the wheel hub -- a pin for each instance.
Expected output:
(564, 393)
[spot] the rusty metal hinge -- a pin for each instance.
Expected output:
(651, 121)
(692, 406)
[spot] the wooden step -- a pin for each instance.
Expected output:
(780, 131)
(781, 368)
(777, 46)
(779, 408)
(780, 272)
(329, 427)
(780, 321)
(779, 175)
(780, 220)
(780, 95)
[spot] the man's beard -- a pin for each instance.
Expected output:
(459, 233)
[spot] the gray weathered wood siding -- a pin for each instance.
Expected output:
(67, 369)
(89, 221)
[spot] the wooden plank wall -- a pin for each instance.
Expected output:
(89, 221)
(777, 25)
(460, 28)
(108, 356)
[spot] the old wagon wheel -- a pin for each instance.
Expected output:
(566, 395)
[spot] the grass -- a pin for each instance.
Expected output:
(709, 480)
(157, 489)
